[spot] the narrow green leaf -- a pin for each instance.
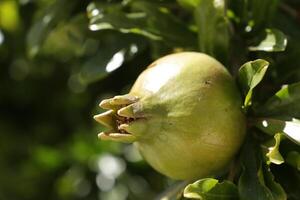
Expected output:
(274, 41)
(286, 102)
(291, 129)
(272, 150)
(125, 23)
(250, 75)
(147, 19)
(213, 28)
(261, 12)
(169, 27)
(254, 15)
(210, 189)
(251, 183)
(293, 158)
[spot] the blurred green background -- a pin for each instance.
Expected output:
(58, 59)
(48, 138)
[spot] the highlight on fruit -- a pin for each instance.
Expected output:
(184, 115)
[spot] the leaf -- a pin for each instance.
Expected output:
(114, 51)
(115, 18)
(147, 19)
(209, 189)
(274, 41)
(213, 28)
(251, 184)
(293, 158)
(57, 12)
(276, 189)
(272, 150)
(255, 15)
(250, 75)
(169, 27)
(262, 12)
(286, 102)
(174, 192)
(289, 178)
(291, 129)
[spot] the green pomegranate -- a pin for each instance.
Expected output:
(183, 113)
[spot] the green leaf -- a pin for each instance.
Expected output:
(272, 150)
(251, 183)
(147, 19)
(293, 158)
(274, 41)
(257, 181)
(276, 189)
(210, 189)
(115, 18)
(289, 178)
(286, 102)
(114, 51)
(57, 12)
(291, 129)
(250, 75)
(213, 28)
(262, 12)
(254, 15)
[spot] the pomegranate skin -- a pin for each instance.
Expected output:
(184, 115)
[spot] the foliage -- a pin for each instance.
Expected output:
(59, 57)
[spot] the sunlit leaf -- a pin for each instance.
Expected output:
(291, 129)
(213, 28)
(250, 75)
(118, 20)
(210, 189)
(113, 52)
(272, 150)
(101, 64)
(285, 102)
(274, 41)
(146, 19)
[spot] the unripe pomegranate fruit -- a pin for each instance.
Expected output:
(183, 113)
